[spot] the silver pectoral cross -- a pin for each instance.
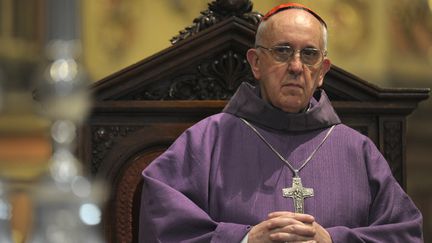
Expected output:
(298, 193)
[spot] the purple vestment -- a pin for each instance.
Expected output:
(219, 178)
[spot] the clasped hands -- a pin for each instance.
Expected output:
(288, 227)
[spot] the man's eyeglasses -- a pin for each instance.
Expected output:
(309, 56)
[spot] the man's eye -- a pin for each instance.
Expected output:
(310, 52)
(283, 50)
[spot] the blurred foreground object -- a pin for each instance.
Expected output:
(5, 205)
(66, 203)
(5, 215)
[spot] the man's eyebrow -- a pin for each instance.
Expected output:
(289, 44)
(283, 44)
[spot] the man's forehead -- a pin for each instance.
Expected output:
(301, 24)
(292, 18)
(293, 15)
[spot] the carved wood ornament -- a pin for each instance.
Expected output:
(217, 11)
(214, 79)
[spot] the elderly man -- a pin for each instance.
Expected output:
(277, 165)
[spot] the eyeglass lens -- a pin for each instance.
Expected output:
(308, 56)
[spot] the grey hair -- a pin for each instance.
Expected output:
(262, 28)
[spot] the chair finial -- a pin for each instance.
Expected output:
(218, 11)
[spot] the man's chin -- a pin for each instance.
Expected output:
(292, 90)
(291, 106)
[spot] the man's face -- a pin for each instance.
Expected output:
(289, 85)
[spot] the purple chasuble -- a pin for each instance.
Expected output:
(218, 179)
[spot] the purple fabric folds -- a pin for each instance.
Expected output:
(218, 178)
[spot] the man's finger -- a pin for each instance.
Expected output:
(305, 218)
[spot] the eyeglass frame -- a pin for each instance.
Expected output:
(271, 50)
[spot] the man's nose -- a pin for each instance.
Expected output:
(295, 65)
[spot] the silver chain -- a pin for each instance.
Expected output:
(295, 171)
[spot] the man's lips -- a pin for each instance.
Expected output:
(292, 85)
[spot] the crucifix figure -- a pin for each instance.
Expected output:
(298, 193)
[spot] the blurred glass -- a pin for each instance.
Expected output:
(66, 204)
(67, 215)
(5, 205)
(61, 85)
(5, 215)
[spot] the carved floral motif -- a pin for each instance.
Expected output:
(103, 139)
(216, 78)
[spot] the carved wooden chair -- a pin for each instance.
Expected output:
(140, 110)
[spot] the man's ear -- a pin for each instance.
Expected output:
(324, 69)
(252, 57)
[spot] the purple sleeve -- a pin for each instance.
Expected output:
(174, 206)
(393, 216)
